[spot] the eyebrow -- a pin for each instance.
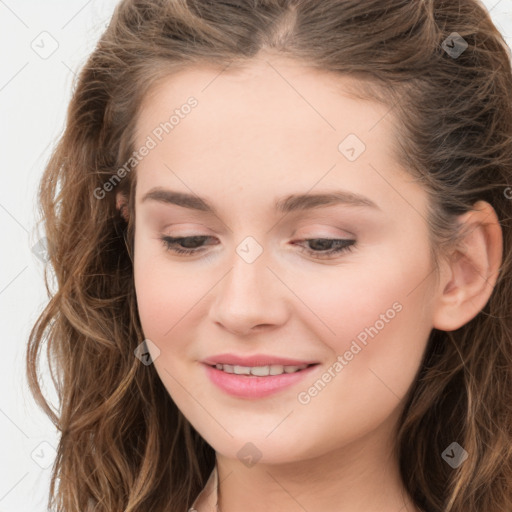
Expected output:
(291, 203)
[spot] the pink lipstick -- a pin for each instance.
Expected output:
(257, 376)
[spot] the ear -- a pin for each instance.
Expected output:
(472, 271)
(122, 204)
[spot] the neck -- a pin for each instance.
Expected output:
(362, 476)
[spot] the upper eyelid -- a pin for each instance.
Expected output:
(301, 219)
(304, 236)
(329, 254)
(178, 238)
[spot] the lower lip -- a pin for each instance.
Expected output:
(251, 386)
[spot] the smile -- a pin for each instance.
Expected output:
(256, 381)
(260, 371)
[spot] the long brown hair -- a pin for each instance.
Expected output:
(124, 443)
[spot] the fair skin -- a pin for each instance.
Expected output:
(254, 138)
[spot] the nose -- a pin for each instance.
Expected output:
(250, 298)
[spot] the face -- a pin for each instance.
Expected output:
(345, 283)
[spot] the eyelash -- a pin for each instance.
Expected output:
(344, 245)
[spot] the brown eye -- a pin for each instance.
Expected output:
(184, 244)
(321, 247)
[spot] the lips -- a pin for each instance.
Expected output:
(253, 387)
(256, 360)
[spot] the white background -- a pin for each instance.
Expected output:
(34, 92)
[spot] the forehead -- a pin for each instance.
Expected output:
(269, 92)
(272, 123)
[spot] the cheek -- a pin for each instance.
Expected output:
(161, 295)
(381, 329)
(377, 317)
(170, 302)
(346, 298)
(163, 299)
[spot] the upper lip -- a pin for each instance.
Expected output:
(255, 360)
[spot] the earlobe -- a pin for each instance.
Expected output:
(122, 205)
(473, 269)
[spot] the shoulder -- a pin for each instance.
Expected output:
(206, 500)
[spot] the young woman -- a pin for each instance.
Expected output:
(281, 236)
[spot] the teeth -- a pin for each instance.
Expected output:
(259, 371)
(239, 370)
